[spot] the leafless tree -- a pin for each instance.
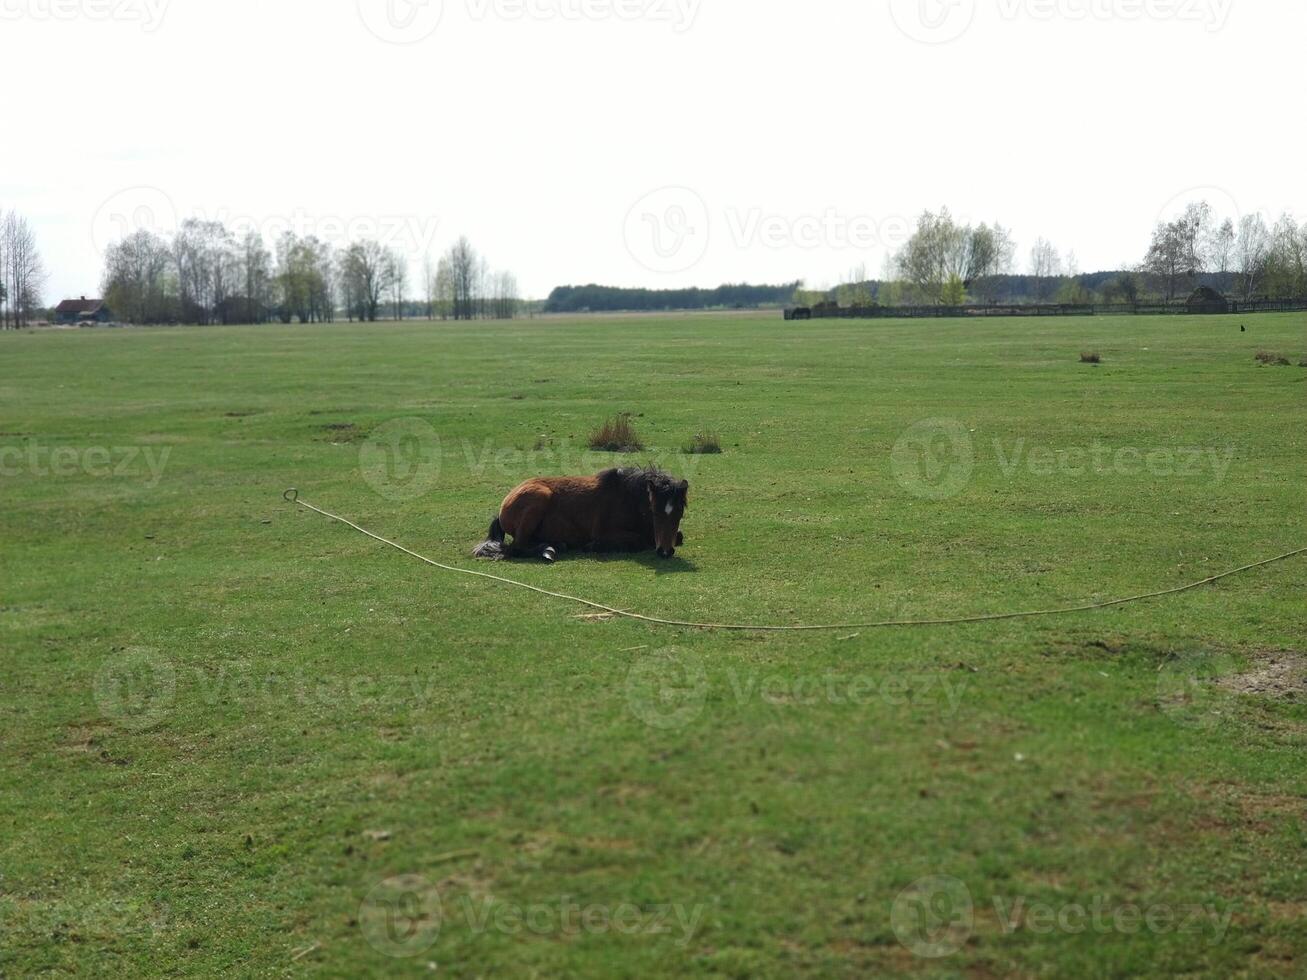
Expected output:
(465, 272)
(137, 284)
(397, 275)
(22, 274)
(993, 253)
(1220, 247)
(365, 272)
(504, 306)
(1045, 266)
(256, 277)
(429, 286)
(4, 271)
(1176, 254)
(1251, 249)
(444, 288)
(1286, 266)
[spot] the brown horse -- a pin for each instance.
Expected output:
(618, 510)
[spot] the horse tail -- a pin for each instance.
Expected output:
(493, 547)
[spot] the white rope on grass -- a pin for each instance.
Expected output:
(293, 496)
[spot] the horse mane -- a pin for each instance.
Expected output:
(634, 479)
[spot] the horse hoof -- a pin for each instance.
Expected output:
(550, 555)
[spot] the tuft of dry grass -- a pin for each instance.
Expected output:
(1091, 357)
(1269, 357)
(617, 435)
(704, 444)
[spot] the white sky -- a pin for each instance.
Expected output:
(798, 137)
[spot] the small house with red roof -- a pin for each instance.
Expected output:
(82, 311)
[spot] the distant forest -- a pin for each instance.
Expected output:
(948, 263)
(1123, 286)
(600, 299)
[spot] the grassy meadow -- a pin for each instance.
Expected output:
(240, 738)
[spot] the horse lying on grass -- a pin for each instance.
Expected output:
(618, 510)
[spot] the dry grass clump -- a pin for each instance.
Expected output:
(1091, 357)
(617, 435)
(1268, 357)
(704, 444)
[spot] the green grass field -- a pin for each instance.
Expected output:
(238, 737)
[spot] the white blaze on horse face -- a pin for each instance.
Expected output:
(669, 510)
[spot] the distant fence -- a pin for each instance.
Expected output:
(829, 311)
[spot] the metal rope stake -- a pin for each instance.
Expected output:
(293, 496)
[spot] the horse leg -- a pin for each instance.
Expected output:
(528, 525)
(544, 550)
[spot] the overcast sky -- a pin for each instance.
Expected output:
(646, 142)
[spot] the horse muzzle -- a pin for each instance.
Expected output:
(666, 552)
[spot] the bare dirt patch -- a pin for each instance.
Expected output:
(1279, 675)
(343, 432)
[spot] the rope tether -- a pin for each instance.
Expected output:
(293, 496)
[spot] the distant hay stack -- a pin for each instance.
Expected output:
(1205, 299)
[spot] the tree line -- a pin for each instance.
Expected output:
(204, 274)
(594, 298)
(22, 273)
(948, 263)
(1256, 259)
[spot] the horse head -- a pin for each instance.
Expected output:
(668, 499)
